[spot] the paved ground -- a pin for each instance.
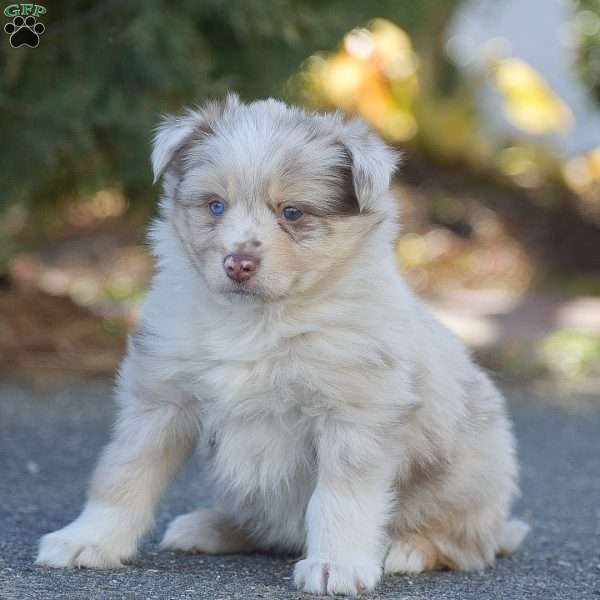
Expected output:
(49, 441)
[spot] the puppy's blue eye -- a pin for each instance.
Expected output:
(291, 213)
(216, 207)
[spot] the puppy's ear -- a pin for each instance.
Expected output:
(173, 132)
(170, 135)
(373, 162)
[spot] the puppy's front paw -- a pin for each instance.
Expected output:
(65, 548)
(103, 537)
(316, 576)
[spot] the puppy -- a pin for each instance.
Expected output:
(339, 420)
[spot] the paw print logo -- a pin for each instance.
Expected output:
(24, 32)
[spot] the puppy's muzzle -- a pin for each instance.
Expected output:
(240, 267)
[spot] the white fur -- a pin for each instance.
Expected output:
(404, 557)
(169, 136)
(513, 534)
(337, 417)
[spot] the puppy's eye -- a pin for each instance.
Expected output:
(216, 207)
(291, 213)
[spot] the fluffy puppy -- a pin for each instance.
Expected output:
(339, 420)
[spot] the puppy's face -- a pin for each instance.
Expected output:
(264, 198)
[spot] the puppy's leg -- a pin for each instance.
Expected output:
(154, 434)
(411, 554)
(469, 542)
(347, 515)
(416, 553)
(207, 531)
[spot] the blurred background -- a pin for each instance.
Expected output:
(495, 105)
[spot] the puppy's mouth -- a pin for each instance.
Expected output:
(241, 289)
(249, 292)
(241, 292)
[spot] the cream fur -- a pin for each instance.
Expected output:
(338, 419)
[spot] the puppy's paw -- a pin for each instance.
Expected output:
(194, 532)
(322, 577)
(103, 536)
(206, 531)
(65, 548)
(414, 554)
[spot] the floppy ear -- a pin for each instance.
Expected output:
(174, 131)
(372, 161)
(170, 135)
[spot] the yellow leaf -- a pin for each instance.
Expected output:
(529, 102)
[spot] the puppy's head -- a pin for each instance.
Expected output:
(269, 201)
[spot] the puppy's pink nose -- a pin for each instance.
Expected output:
(240, 267)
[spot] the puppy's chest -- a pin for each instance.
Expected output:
(259, 425)
(257, 408)
(259, 419)
(280, 384)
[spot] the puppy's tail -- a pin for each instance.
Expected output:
(513, 534)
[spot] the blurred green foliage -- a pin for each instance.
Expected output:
(76, 112)
(571, 353)
(586, 28)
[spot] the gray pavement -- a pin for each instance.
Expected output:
(49, 441)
